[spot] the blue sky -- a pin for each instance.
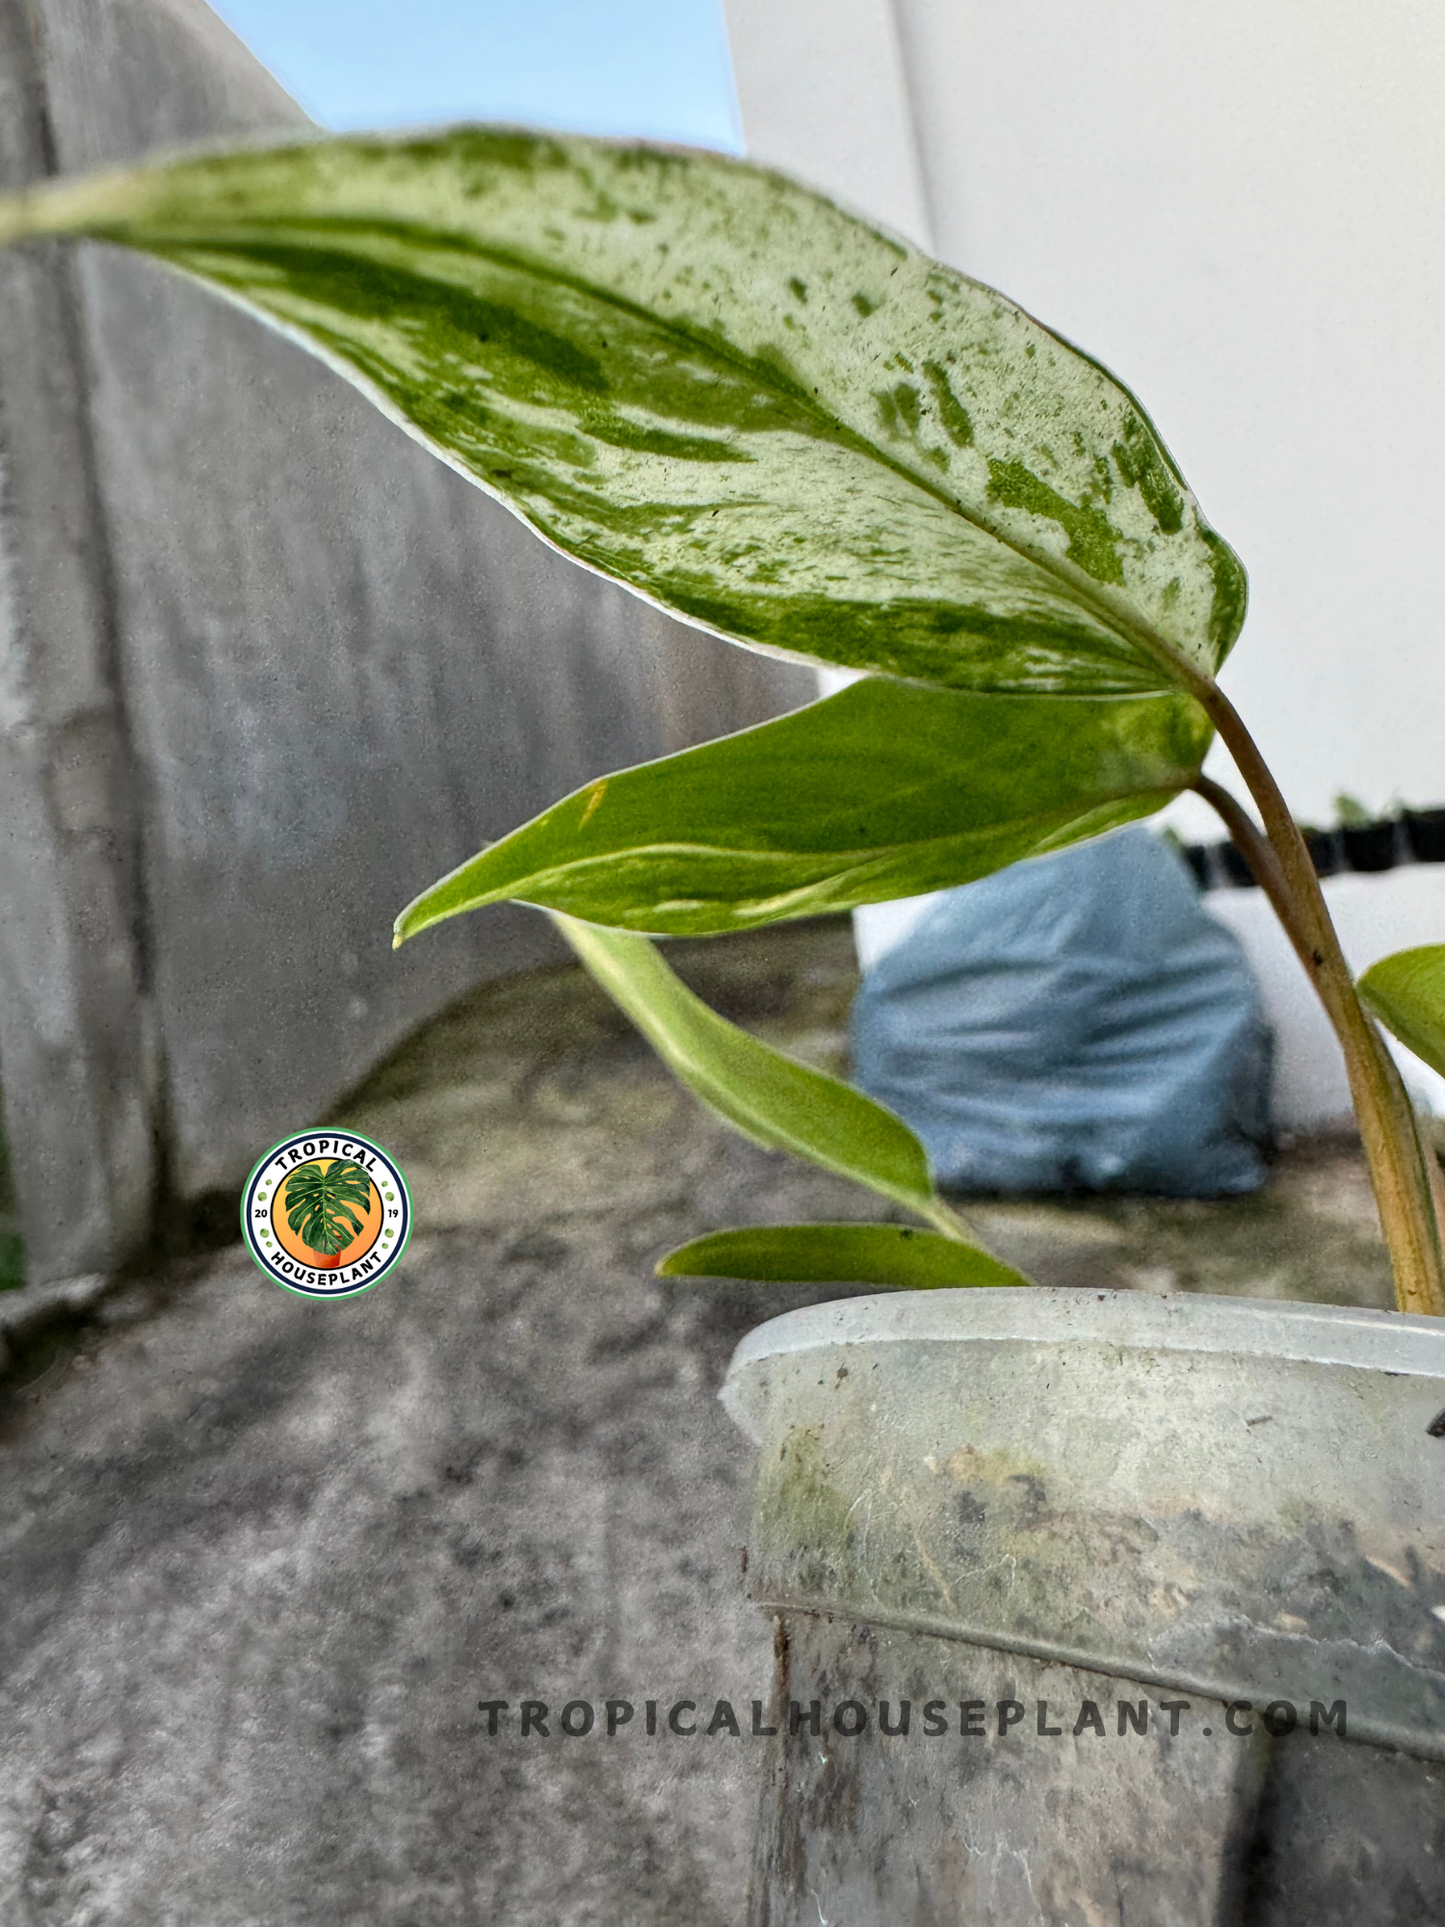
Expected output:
(656, 68)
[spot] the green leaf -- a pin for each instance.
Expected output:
(710, 383)
(318, 1201)
(1407, 993)
(883, 790)
(780, 1104)
(872, 1254)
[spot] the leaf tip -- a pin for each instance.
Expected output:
(412, 921)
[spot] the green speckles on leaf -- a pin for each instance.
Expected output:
(1231, 594)
(951, 412)
(1036, 650)
(1092, 537)
(602, 208)
(492, 151)
(618, 432)
(1141, 465)
(899, 409)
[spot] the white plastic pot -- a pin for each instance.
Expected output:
(1080, 1498)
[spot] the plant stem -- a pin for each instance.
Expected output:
(1258, 853)
(1400, 1165)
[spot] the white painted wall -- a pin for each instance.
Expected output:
(824, 94)
(1374, 916)
(1238, 209)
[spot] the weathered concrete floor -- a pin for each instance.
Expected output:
(263, 1556)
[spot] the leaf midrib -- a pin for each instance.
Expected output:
(850, 855)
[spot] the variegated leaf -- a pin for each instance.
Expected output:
(884, 790)
(700, 378)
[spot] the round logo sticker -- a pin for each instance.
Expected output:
(326, 1214)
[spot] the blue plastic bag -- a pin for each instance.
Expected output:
(1076, 1022)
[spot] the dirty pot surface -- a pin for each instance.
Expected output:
(1161, 1580)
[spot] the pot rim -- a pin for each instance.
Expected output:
(1398, 1344)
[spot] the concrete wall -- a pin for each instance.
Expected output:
(1230, 207)
(266, 670)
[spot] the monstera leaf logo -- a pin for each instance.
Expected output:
(326, 1213)
(322, 1204)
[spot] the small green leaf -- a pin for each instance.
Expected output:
(883, 790)
(871, 1254)
(713, 385)
(778, 1103)
(1407, 993)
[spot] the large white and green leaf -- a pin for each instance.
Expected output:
(706, 381)
(767, 1097)
(890, 1256)
(1406, 992)
(884, 790)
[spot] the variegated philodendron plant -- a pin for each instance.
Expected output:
(797, 432)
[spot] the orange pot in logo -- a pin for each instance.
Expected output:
(329, 1213)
